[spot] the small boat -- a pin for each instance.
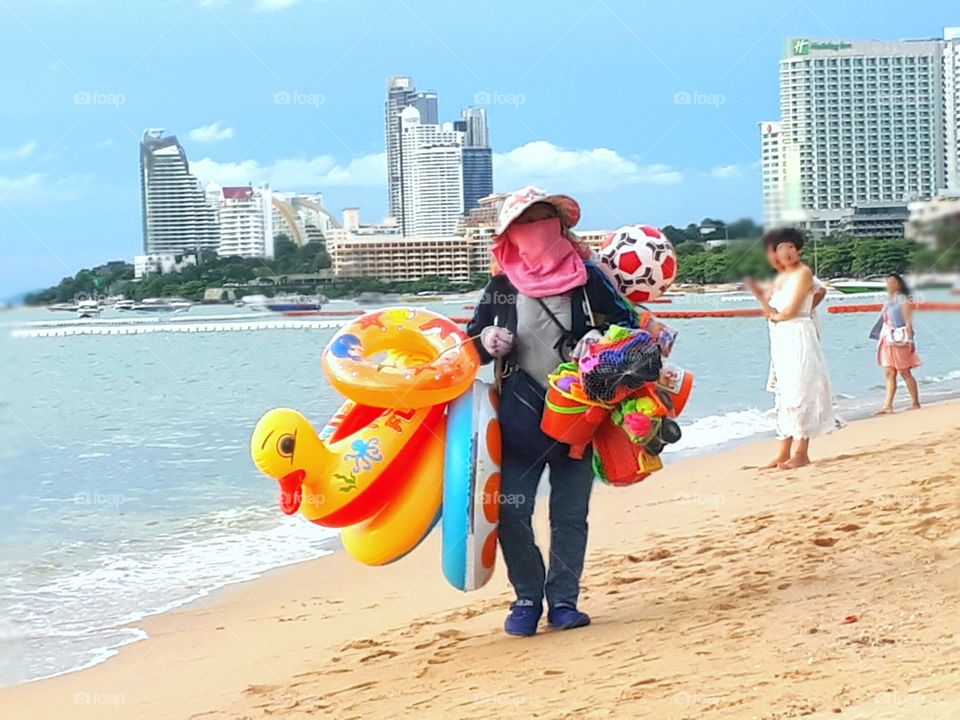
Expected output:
(253, 302)
(295, 303)
(63, 307)
(88, 309)
(850, 286)
(124, 305)
(161, 305)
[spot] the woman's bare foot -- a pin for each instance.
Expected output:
(797, 461)
(915, 406)
(884, 411)
(775, 463)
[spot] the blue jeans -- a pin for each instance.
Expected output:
(526, 452)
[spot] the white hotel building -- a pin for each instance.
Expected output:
(431, 171)
(246, 220)
(862, 122)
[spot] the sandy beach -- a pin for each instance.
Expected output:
(717, 591)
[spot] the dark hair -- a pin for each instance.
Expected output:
(775, 237)
(902, 286)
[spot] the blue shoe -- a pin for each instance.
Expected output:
(523, 618)
(567, 617)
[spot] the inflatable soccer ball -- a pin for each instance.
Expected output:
(640, 261)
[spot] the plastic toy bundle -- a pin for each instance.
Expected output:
(620, 363)
(622, 398)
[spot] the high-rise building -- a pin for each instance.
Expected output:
(951, 101)
(401, 94)
(431, 167)
(477, 157)
(246, 220)
(771, 172)
(175, 214)
(475, 127)
(861, 122)
(477, 175)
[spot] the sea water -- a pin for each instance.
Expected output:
(126, 486)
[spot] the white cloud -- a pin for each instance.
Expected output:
(40, 187)
(542, 163)
(19, 153)
(300, 174)
(273, 5)
(539, 163)
(726, 172)
(105, 143)
(211, 133)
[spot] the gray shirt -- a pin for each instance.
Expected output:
(537, 334)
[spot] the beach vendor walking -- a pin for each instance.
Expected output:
(896, 346)
(543, 306)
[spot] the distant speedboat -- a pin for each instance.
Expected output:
(162, 305)
(849, 286)
(88, 309)
(295, 303)
(253, 302)
(124, 305)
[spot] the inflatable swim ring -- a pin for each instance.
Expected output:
(401, 358)
(471, 488)
(408, 518)
(356, 466)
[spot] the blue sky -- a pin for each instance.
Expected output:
(583, 97)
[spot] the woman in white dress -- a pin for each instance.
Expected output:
(798, 370)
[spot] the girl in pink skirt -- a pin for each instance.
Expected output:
(896, 349)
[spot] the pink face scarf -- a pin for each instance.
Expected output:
(538, 259)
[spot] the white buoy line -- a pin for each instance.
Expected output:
(180, 325)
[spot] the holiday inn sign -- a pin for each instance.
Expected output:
(802, 46)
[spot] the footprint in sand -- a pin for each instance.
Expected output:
(824, 542)
(380, 654)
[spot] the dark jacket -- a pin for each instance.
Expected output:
(498, 306)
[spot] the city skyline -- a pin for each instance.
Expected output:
(662, 133)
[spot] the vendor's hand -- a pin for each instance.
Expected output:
(497, 341)
(753, 286)
(591, 338)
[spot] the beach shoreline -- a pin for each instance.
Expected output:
(321, 636)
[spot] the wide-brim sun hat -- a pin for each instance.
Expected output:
(520, 200)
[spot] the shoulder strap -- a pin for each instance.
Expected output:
(548, 311)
